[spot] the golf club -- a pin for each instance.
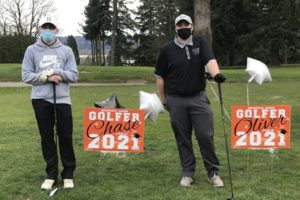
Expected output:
(53, 192)
(55, 117)
(226, 143)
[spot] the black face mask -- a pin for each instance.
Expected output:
(184, 33)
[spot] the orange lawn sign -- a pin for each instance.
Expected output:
(260, 126)
(113, 130)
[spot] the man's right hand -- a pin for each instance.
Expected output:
(219, 78)
(43, 76)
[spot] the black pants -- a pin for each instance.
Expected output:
(44, 113)
(188, 113)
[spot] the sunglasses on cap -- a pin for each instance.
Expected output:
(48, 26)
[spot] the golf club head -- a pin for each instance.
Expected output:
(53, 192)
(230, 198)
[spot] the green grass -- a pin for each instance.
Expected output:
(155, 173)
(12, 72)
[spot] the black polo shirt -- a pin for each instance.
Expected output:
(183, 66)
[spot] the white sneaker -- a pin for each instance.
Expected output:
(68, 183)
(216, 181)
(47, 185)
(186, 181)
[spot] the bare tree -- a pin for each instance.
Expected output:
(202, 18)
(3, 23)
(38, 8)
(23, 15)
(14, 11)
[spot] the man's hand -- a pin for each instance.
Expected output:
(219, 78)
(55, 78)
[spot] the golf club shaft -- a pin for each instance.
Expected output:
(55, 117)
(225, 136)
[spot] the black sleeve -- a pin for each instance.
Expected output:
(206, 52)
(162, 64)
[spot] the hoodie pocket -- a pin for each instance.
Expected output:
(42, 91)
(46, 91)
(62, 90)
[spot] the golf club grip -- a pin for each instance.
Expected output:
(55, 117)
(221, 100)
(220, 94)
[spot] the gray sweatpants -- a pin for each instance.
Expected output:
(188, 113)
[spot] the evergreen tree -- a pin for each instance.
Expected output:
(185, 7)
(105, 21)
(146, 24)
(226, 28)
(124, 25)
(262, 29)
(71, 42)
(155, 22)
(282, 21)
(97, 25)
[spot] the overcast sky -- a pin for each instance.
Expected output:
(70, 15)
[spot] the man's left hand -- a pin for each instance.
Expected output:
(55, 78)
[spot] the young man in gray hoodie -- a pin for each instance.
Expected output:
(49, 66)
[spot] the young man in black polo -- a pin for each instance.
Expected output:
(180, 78)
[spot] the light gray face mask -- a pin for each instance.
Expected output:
(48, 35)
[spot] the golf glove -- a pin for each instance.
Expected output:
(219, 78)
(43, 76)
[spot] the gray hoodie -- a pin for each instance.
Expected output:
(39, 57)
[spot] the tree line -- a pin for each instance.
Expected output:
(264, 29)
(267, 30)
